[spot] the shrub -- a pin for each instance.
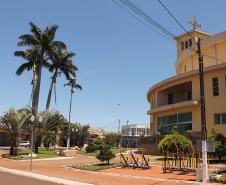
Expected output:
(106, 154)
(174, 142)
(98, 141)
(91, 148)
(219, 142)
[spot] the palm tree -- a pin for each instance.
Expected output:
(62, 63)
(13, 123)
(82, 132)
(72, 83)
(52, 123)
(42, 47)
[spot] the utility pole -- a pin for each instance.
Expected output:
(119, 126)
(203, 113)
(127, 134)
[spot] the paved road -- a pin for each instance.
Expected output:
(9, 179)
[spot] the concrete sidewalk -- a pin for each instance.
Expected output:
(41, 177)
(59, 169)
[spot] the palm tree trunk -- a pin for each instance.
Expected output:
(37, 84)
(69, 123)
(53, 81)
(35, 99)
(11, 148)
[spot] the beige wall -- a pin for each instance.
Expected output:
(213, 104)
(187, 60)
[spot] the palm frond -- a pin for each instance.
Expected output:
(36, 30)
(59, 44)
(27, 39)
(50, 31)
(77, 86)
(26, 66)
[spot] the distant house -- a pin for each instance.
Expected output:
(94, 134)
(132, 133)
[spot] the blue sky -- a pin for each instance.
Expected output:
(118, 57)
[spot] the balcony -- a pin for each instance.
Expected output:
(175, 94)
(174, 97)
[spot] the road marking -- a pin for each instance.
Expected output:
(41, 177)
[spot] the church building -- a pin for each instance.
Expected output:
(175, 102)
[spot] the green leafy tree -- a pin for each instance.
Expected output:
(106, 154)
(97, 144)
(98, 141)
(175, 142)
(219, 142)
(13, 122)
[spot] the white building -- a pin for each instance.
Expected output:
(131, 134)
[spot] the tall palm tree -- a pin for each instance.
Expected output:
(72, 83)
(42, 46)
(62, 63)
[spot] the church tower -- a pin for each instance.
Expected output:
(186, 44)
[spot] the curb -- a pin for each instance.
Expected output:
(41, 177)
(46, 159)
(140, 177)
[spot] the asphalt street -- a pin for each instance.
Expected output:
(9, 179)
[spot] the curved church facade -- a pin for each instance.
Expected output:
(175, 102)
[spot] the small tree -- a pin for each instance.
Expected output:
(174, 142)
(106, 154)
(97, 144)
(219, 142)
(13, 123)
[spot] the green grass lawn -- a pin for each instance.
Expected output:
(43, 153)
(96, 167)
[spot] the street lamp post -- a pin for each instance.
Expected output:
(127, 135)
(32, 138)
(119, 124)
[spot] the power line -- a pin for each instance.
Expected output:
(134, 10)
(109, 125)
(134, 16)
(145, 16)
(174, 18)
(156, 26)
(216, 58)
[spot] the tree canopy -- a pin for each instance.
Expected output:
(175, 142)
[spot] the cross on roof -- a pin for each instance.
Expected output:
(195, 24)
